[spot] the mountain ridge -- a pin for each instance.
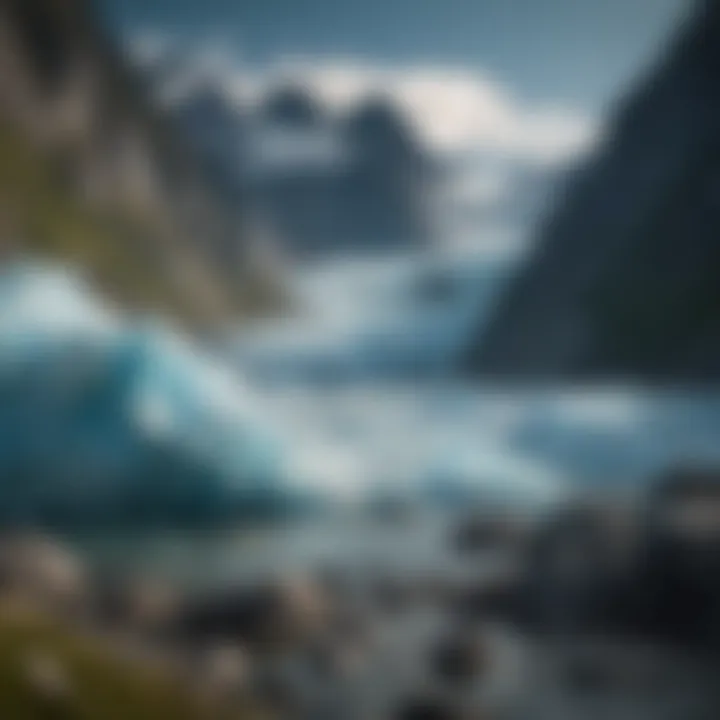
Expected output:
(622, 281)
(324, 181)
(80, 139)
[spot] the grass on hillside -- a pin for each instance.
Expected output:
(99, 686)
(123, 255)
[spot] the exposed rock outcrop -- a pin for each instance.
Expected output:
(92, 172)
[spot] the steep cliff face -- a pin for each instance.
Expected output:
(624, 281)
(90, 172)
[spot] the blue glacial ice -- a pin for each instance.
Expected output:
(106, 417)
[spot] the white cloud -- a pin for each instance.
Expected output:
(454, 108)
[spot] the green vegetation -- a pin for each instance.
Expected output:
(93, 684)
(122, 255)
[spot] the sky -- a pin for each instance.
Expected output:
(569, 52)
(516, 86)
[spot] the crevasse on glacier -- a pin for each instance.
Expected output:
(106, 419)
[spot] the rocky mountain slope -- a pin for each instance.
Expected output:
(92, 173)
(623, 282)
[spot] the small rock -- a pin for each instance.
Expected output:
(586, 677)
(281, 693)
(483, 534)
(431, 707)
(46, 675)
(44, 572)
(337, 659)
(460, 657)
(352, 624)
(277, 614)
(135, 603)
(395, 595)
(224, 669)
(493, 597)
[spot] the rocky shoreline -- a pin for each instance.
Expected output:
(591, 612)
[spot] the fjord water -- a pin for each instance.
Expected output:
(348, 407)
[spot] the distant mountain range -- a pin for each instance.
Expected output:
(624, 281)
(321, 183)
(93, 173)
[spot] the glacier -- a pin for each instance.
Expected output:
(109, 418)
(103, 417)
